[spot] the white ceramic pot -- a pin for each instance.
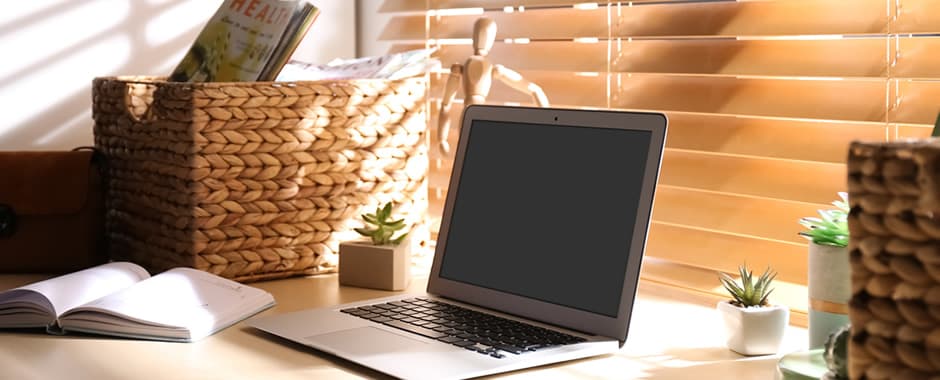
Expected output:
(829, 285)
(754, 330)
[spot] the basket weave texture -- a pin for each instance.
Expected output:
(256, 180)
(894, 224)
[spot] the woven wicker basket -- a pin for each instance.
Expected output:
(256, 180)
(894, 192)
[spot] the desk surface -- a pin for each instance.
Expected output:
(669, 339)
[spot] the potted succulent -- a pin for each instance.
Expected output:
(836, 354)
(828, 280)
(381, 262)
(753, 326)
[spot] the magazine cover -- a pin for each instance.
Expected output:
(237, 42)
(297, 28)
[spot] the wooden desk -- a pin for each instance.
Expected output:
(669, 339)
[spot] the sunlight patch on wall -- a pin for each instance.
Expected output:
(81, 120)
(178, 20)
(72, 27)
(46, 86)
(11, 14)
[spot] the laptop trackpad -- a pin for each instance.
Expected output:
(367, 341)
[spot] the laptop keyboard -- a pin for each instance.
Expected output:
(462, 327)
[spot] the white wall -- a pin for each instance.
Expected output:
(333, 34)
(52, 49)
(371, 21)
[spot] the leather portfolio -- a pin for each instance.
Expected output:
(51, 212)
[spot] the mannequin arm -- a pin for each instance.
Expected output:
(516, 81)
(443, 117)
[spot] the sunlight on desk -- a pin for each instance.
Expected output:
(669, 339)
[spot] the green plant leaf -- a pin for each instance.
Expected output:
(763, 300)
(379, 236)
(396, 225)
(831, 227)
(752, 291)
(936, 128)
(384, 230)
(731, 286)
(386, 212)
(399, 239)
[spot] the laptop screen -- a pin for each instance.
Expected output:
(541, 217)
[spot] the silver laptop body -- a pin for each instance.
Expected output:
(545, 223)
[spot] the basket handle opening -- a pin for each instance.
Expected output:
(138, 99)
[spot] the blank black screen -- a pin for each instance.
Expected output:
(547, 212)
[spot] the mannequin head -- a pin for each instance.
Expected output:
(484, 33)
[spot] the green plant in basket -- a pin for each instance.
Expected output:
(751, 291)
(831, 228)
(381, 233)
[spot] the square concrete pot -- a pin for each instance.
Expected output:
(384, 267)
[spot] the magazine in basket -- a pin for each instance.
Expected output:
(122, 299)
(246, 40)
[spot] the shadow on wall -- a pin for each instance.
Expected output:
(60, 47)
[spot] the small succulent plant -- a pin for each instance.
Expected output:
(832, 227)
(836, 354)
(382, 233)
(751, 291)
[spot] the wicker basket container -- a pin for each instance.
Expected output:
(894, 223)
(255, 180)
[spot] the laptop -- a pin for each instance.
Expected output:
(538, 254)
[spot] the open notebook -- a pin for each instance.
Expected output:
(122, 299)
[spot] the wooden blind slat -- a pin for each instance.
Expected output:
(917, 101)
(541, 55)
(542, 24)
(912, 131)
(746, 18)
(499, 4)
(857, 57)
(403, 47)
(794, 180)
(805, 140)
(808, 140)
(391, 6)
(733, 214)
(403, 27)
(916, 57)
(916, 16)
(723, 252)
(848, 99)
(561, 88)
(751, 18)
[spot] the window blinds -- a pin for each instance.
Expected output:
(763, 98)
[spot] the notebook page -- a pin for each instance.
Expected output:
(74, 289)
(184, 297)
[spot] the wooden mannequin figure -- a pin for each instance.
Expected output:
(476, 75)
